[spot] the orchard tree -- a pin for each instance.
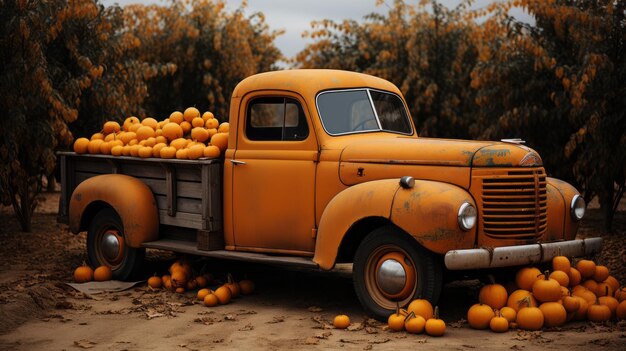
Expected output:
(426, 50)
(211, 49)
(59, 60)
(560, 84)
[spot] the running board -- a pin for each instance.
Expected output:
(190, 247)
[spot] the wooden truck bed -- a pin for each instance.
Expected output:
(188, 193)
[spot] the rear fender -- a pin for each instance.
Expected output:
(129, 197)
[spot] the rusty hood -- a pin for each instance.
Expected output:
(444, 152)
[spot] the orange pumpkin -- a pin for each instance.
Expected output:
(201, 281)
(609, 301)
(547, 289)
(591, 285)
(561, 277)
(554, 314)
(421, 307)
(435, 326)
(246, 286)
(202, 293)
(102, 273)
(612, 282)
(526, 277)
(155, 282)
(582, 309)
(589, 296)
(530, 318)
(341, 321)
(494, 295)
(598, 313)
(211, 300)
(479, 315)
(83, 274)
(571, 303)
(587, 268)
(508, 313)
(620, 294)
(604, 289)
(396, 321)
(600, 274)
(179, 279)
(518, 299)
(233, 286)
(620, 312)
(223, 295)
(499, 324)
(414, 324)
(574, 277)
(561, 263)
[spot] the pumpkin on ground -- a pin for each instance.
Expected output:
(155, 282)
(435, 326)
(493, 294)
(396, 320)
(479, 315)
(526, 277)
(83, 274)
(499, 324)
(547, 289)
(102, 273)
(421, 307)
(554, 314)
(530, 318)
(414, 324)
(341, 321)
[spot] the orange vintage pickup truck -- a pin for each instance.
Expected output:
(325, 167)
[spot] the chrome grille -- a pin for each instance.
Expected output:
(515, 205)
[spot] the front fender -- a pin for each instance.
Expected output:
(370, 199)
(561, 225)
(129, 197)
(429, 213)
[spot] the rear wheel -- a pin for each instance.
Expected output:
(391, 268)
(106, 245)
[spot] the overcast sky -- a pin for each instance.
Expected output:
(295, 16)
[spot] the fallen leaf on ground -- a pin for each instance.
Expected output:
(247, 327)
(276, 319)
(84, 344)
(355, 326)
(323, 335)
(312, 341)
(315, 309)
(230, 317)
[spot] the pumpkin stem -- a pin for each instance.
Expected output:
(491, 278)
(436, 313)
(229, 278)
(411, 315)
(398, 308)
(525, 300)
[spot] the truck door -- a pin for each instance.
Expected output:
(273, 192)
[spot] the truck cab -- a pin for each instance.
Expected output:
(326, 167)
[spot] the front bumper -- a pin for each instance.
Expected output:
(508, 256)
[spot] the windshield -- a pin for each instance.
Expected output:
(362, 110)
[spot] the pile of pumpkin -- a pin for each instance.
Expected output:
(417, 318)
(540, 300)
(85, 274)
(184, 135)
(181, 279)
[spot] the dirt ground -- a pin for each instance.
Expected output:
(289, 310)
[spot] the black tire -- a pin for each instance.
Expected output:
(129, 261)
(389, 240)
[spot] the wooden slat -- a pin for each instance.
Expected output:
(183, 204)
(182, 219)
(92, 166)
(189, 247)
(184, 189)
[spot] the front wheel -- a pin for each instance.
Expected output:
(106, 245)
(391, 268)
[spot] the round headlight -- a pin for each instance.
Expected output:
(577, 207)
(467, 216)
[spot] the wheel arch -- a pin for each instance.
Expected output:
(355, 235)
(129, 197)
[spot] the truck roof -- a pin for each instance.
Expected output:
(309, 82)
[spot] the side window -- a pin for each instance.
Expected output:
(276, 119)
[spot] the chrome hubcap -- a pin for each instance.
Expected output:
(391, 277)
(110, 246)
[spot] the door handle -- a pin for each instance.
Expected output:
(236, 162)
